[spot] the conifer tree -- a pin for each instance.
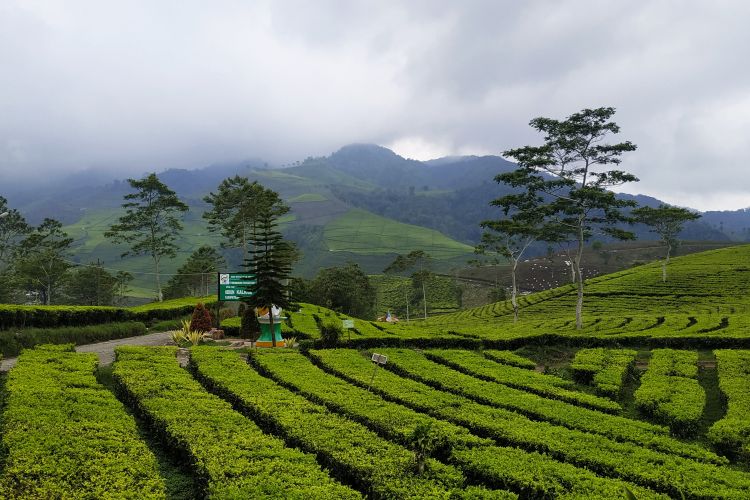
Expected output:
(271, 263)
(236, 209)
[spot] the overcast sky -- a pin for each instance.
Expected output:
(147, 85)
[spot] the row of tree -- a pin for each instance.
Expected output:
(562, 195)
(36, 266)
(36, 262)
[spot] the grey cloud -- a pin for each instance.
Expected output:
(137, 85)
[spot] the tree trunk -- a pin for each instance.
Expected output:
(664, 264)
(407, 306)
(514, 290)
(424, 300)
(579, 279)
(48, 294)
(158, 281)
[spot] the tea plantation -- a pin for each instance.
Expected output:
(651, 399)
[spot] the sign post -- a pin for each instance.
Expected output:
(377, 359)
(348, 324)
(235, 286)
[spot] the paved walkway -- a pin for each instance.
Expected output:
(106, 350)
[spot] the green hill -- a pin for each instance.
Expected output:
(705, 302)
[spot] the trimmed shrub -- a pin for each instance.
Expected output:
(12, 342)
(67, 436)
(201, 320)
(330, 334)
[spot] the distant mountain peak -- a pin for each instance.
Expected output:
(366, 149)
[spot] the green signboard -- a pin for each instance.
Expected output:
(235, 286)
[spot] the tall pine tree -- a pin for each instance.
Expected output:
(271, 262)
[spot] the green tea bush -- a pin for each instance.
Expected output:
(646, 467)
(731, 434)
(607, 369)
(12, 342)
(229, 454)
(67, 436)
(670, 391)
(356, 455)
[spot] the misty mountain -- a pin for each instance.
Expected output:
(363, 203)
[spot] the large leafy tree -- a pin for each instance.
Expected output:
(237, 208)
(345, 289)
(271, 259)
(572, 170)
(151, 222)
(13, 228)
(197, 275)
(43, 264)
(525, 221)
(667, 222)
(419, 263)
(123, 279)
(91, 285)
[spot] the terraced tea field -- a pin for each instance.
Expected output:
(650, 400)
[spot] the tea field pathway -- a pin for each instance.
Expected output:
(106, 350)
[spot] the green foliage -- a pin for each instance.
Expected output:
(549, 386)
(423, 441)
(331, 334)
(271, 257)
(67, 436)
(392, 420)
(646, 467)
(607, 369)
(238, 207)
(670, 390)
(345, 289)
(731, 433)
(170, 309)
(667, 222)
(355, 454)
(233, 459)
(13, 341)
(13, 228)
(577, 195)
(151, 222)
(508, 358)
(92, 285)
(362, 232)
(42, 263)
(416, 366)
(197, 276)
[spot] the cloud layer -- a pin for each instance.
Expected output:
(137, 85)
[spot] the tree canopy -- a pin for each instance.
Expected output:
(271, 259)
(571, 170)
(345, 289)
(197, 276)
(151, 222)
(238, 207)
(667, 222)
(43, 262)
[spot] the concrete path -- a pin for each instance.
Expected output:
(106, 350)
